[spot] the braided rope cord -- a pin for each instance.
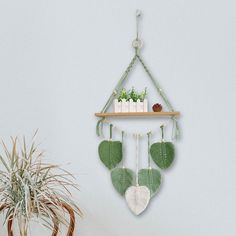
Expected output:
(119, 84)
(114, 93)
(149, 155)
(155, 83)
(176, 129)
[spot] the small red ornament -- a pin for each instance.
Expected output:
(157, 107)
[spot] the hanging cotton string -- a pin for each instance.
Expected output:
(154, 131)
(116, 90)
(156, 84)
(175, 129)
(149, 157)
(162, 133)
(111, 127)
(137, 136)
(138, 14)
(122, 139)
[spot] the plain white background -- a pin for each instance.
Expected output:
(59, 61)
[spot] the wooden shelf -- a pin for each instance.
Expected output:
(135, 114)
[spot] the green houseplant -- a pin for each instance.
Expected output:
(123, 95)
(31, 188)
(131, 101)
(132, 94)
(135, 96)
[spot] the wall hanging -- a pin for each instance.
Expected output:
(138, 186)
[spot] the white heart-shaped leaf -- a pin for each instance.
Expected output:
(137, 198)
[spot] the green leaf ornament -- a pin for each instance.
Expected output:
(162, 153)
(122, 178)
(110, 152)
(150, 178)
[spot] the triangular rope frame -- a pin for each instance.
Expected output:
(137, 45)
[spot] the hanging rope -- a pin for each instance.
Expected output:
(119, 84)
(157, 86)
(162, 133)
(111, 127)
(137, 136)
(122, 140)
(138, 15)
(175, 129)
(149, 156)
(114, 94)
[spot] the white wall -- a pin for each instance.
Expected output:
(56, 54)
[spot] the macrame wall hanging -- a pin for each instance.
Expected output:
(138, 186)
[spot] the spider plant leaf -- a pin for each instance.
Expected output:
(110, 153)
(150, 178)
(163, 154)
(7, 153)
(13, 153)
(4, 163)
(122, 178)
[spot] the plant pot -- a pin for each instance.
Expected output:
(117, 105)
(145, 105)
(130, 106)
(24, 229)
(124, 106)
(139, 106)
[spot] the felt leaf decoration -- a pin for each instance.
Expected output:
(163, 154)
(110, 153)
(150, 178)
(137, 198)
(122, 178)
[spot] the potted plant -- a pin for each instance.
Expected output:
(121, 104)
(131, 101)
(29, 187)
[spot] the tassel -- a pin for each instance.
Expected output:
(99, 127)
(175, 129)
